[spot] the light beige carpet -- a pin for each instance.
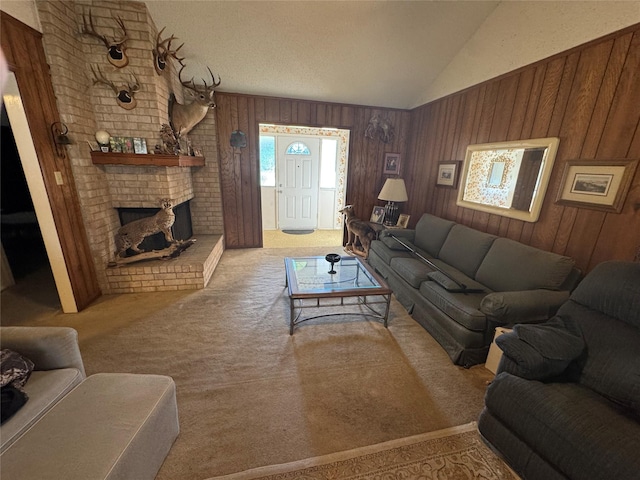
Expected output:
(453, 453)
(249, 394)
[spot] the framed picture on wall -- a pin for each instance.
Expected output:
(377, 215)
(448, 173)
(596, 184)
(391, 163)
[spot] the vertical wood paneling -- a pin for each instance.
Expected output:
(588, 98)
(239, 169)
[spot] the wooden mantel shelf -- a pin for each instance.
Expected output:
(148, 159)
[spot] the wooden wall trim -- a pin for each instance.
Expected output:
(23, 48)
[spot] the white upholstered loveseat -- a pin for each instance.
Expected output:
(73, 427)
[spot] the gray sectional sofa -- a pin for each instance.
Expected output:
(507, 282)
(558, 412)
(73, 427)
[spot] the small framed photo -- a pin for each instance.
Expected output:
(391, 163)
(596, 184)
(403, 220)
(448, 173)
(139, 145)
(377, 215)
(115, 144)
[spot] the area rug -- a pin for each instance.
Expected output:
(453, 453)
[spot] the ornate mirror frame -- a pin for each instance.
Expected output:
(496, 177)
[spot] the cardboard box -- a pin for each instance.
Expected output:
(495, 354)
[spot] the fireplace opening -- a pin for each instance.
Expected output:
(181, 227)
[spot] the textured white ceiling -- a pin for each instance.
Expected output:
(381, 53)
(384, 53)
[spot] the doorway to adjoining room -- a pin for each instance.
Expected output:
(303, 174)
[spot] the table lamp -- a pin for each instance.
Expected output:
(392, 191)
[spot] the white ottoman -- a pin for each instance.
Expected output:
(112, 426)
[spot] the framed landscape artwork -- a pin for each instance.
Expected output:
(391, 164)
(595, 184)
(448, 173)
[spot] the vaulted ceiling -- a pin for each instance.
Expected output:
(388, 53)
(382, 53)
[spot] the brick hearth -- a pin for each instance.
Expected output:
(190, 271)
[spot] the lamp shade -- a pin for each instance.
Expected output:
(393, 190)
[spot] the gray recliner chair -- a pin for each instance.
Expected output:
(566, 400)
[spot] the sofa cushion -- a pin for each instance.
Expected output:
(612, 288)
(387, 254)
(112, 426)
(465, 248)
(511, 266)
(580, 432)
(411, 270)
(611, 365)
(461, 307)
(44, 389)
(431, 232)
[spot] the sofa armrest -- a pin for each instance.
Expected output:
(49, 348)
(406, 235)
(541, 351)
(529, 306)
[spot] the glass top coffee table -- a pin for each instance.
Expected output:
(353, 286)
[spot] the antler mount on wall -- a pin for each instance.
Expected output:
(116, 49)
(381, 128)
(124, 93)
(162, 52)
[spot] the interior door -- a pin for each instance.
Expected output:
(298, 178)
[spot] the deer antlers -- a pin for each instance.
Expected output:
(162, 51)
(116, 48)
(199, 88)
(124, 93)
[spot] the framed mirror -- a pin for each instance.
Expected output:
(508, 178)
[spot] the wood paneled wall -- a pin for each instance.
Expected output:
(239, 168)
(589, 97)
(25, 54)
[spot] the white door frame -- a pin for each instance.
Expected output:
(336, 197)
(35, 181)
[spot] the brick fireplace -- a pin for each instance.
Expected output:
(104, 188)
(135, 193)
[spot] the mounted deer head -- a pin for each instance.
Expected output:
(115, 48)
(184, 117)
(162, 52)
(124, 93)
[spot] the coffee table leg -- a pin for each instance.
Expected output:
(386, 312)
(291, 312)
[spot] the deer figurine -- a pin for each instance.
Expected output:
(184, 117)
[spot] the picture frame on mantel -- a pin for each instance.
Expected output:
(391, 164)
(598, 185)
(448, 174)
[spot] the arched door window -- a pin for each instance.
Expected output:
(298, 148)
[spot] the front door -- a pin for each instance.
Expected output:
(298, 164)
